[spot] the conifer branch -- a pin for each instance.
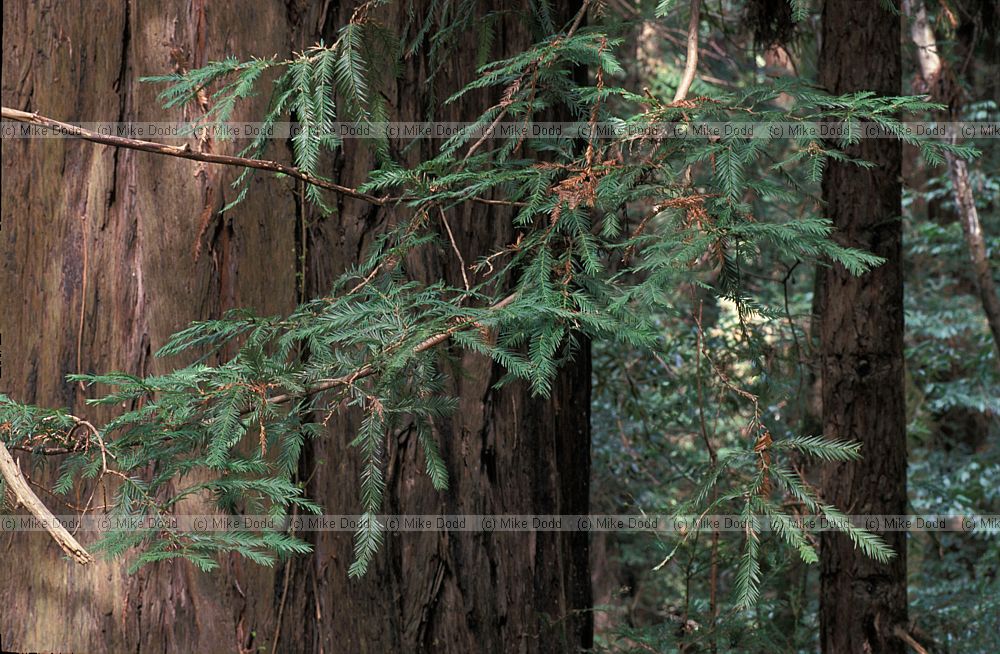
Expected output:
(24, 495)
(185, 152)
(368, 370)
(321, 386)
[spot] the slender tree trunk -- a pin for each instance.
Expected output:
(861, 335)
(975, 240)
(98, 267)
(944, 89)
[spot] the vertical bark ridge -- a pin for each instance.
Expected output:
(861, 334)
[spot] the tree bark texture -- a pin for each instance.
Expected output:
(506, 451)
(104, 253)
(861, 336)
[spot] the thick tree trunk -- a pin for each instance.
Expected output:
(506, 451)
(96, 254)
(861, 335)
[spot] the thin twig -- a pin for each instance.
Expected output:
(489, 130)
(454, 246)
(46, 451)
(579, 18)
(905, 636)
(713, 579)
(691, 65)
(284, 589)
(185, 152)
(104, 461)
(61, 500)
(701, 404)
(690, 68)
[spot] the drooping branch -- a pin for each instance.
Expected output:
(368, 370)
(932, 68)
(24, 495)
(321, 386)
(185, 152)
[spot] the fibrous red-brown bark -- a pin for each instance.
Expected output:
(861, 335)
(97, 268)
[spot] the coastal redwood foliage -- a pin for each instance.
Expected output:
(404, 325)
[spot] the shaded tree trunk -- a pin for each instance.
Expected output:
(506, 451)
(861, 336)
(97, 268)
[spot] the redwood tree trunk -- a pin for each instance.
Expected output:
(506, 451)
(861, 334)
(98, 267)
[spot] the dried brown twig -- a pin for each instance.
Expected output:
(25, 496)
